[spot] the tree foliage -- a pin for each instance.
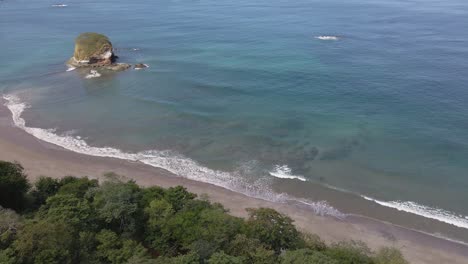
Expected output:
(350, 252)
(13, 186)
(273, 229)
(223, 258)
(115, 250)
(78, 220)
(389, 256)
(43, 189)
(44, 242)
(76, 186)
(306, 255)
(116, 204)
(10, 222)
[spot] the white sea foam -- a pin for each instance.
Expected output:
(327, 37)
(187, 168)
(284, 172)
(59, 5)
(173, 162)
(71, 69)
(425, 211)
(322, 208)
(93, 74)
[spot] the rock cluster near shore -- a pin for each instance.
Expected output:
(94, 50)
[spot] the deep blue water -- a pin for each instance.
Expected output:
(242, 87)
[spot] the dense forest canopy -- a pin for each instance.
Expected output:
(79, 220)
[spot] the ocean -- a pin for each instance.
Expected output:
(346, 107)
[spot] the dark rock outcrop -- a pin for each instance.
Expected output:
(96, 51)
(139, 66)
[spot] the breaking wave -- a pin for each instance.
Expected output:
(93, 74)
(170, 161)
(284, 172)
(327, 37)
(425, 211)
(322, 208)
(234, 181)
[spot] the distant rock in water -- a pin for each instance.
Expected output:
(140, 66)
(95, 50)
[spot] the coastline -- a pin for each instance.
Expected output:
(41, 158)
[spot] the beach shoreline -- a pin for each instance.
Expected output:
(42, 158)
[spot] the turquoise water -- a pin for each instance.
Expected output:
(245, 91)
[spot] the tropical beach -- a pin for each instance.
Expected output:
(44, 159)
(347, 117)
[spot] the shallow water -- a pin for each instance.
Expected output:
(365, 96)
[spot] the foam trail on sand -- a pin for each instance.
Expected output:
(284, 172)
(173, 162)
(425, 211)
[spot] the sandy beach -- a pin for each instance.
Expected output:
(41, 158)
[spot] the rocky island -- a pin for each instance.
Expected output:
(94, 50)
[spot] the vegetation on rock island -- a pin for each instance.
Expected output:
(94, 50)
(89, 45)
(79, 220)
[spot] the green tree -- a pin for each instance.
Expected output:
(115, 250)
(13, 186)
(262, 255)
(87, 244)
(8, 256)
(150, 194)
(80, 221)
(273, 229)
(157, 236)
(199, 220)
(306, 256)
(223, 258)
(203, 248)
(251, 249)
(314, 242)
(178, 197)
(116, 203)
(190, 258)
(69, 209)
(389, 256)
(352, 252)
(10, 222)
(77, 186)
(44, 242)
(43, 189)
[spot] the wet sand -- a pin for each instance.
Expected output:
(41, 158)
